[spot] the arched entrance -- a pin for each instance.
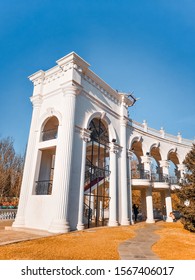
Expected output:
(96, 189)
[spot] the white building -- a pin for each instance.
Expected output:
(81, 145)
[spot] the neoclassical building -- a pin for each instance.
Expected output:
(85, 156)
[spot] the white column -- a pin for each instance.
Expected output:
(146, 160)
(165, 167)
(130, 156)
(143, 203)
(162, 195)
(149, 206)
(124, 192)
(30, 157)
(62, 174)
(92, 206)
(101, 211)
(168, 203)
(113, 186)
(181, 168)
(85, 136)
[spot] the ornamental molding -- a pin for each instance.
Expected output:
(114, 148)
(50, 112)
(73, 61)
(100, 104)
(124, 121)
(71, 88)
(146, 159)
(37, 78)
(130, 154)
(164, 163)
(36, 100)
(100, 85)
(181, 167)
(69, 62)
(85, 135)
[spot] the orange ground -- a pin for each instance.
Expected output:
(175, 243)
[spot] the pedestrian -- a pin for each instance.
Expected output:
(164, 212)
(172, 216)
(135, 211)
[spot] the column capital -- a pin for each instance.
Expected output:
(164, 163)
(123, 121)
(114, 148)
(85, 135)
(72, 89)
(181, 167)
(130, 154)
(146, 159)
(36, 100)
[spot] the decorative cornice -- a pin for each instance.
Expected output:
(71, 61)
(100, 85)
(37, 78)
(153, 133)
(101, 104)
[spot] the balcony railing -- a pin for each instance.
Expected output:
(159, 177)
(140, 174)
(49, 134)
(155, 177)
(173, 180)
(43, 187)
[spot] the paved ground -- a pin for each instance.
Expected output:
(137, 248)
(10, 235)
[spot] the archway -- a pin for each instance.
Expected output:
(46, 158)
(96, 189)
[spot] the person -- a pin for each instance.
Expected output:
(172, 216)
(164, 212)
(135, 211)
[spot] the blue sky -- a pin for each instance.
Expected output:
(144, 46)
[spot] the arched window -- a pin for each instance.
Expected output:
(50, 129)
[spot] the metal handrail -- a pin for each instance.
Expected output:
(174, 180)
(159, 177)
(154, 177)
(140, 174)
(43, 187)
(49, 134)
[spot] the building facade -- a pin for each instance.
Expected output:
(85, 156)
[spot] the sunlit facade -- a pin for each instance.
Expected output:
(85, 156)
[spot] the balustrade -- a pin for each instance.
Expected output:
(8, 214)
(154, 177)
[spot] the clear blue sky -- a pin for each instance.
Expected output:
(145, 46)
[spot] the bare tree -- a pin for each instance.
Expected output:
(11, 167)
